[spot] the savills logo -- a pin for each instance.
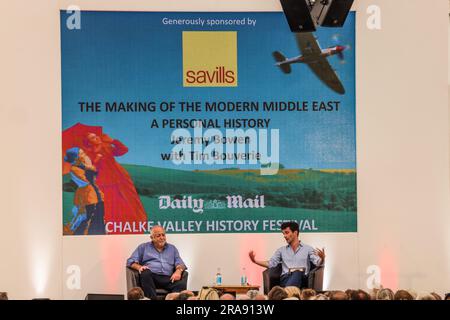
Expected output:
(210, 59)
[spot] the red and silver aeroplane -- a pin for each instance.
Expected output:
(315, 58)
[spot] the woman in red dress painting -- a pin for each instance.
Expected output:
(122, 202)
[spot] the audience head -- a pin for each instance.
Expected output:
(3, 296)
(252, 294)
(412, 293)
(188, 292)
(158, 236)
(290, 231)
(349, 292)
(359, 295)
(373, 293)
(385, 294)
(320, 296)
(436, 296)
(403, 295)
(172, 296)
(306, 294)
(208, 294)
(427, 296)
(260, 297)
(338, 295)
(277, 293)
(293, 292)
(227, 296)
(447, 296)
(183, 296)
(135, 293)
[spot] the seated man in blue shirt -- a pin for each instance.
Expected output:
(294, 258)
(159, 264)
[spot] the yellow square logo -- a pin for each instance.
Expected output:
(210, 59)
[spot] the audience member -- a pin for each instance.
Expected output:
(172, 296)
(320, 296)
(403, 295)
(135, 293)
(208, 294)
(252, 294)
(183, 296)
(359, 295)
(385, 294)
(293, 292)
(338, 295)
(3, 296)
(277, 293)
(427, 296)
(227, 296)
(436, 296)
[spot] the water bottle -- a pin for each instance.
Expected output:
(218, 277)
(243, 278)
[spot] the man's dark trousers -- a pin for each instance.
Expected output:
(150, 281)
(295, 279)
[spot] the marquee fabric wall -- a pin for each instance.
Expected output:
(402, 125)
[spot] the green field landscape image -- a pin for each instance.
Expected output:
(321, 200)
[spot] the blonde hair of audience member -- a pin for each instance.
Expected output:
(306, 294)
(277, 293)
(208, 294)
(172, 295)
(385, 294)
(293, 292)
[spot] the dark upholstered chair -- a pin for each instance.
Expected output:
(133, 281)
(271, 278)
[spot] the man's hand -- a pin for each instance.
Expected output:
(142, 268)
(320, 254)
(251, 255)
(176, 275)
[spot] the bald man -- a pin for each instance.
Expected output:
(159, 265)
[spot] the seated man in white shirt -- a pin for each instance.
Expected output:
(295, 257)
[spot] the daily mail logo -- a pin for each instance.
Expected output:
(210, 59)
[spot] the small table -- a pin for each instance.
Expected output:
(235, 289)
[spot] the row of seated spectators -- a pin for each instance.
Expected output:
(294, 293)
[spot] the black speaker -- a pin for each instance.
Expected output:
(331, 13)
(99, 296)
(298, 15)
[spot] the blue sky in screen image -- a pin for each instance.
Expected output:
(132, 56)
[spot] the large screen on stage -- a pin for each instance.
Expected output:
(206, 122)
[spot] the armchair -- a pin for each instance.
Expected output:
(133, 280)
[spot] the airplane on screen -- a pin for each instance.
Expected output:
(315, 58)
